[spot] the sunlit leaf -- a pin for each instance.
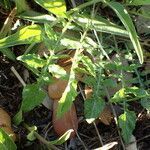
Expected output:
(6, 143)
(128, 93)
(99, 24)
(31, 135)
(26, 35)
(63, 138)
(57, 7)
(32, 60)
(127, 124)
(36, 16)
(57, 71)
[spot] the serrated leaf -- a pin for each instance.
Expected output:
(33, 95)
(26, 35)
(6, 143)
(127, 124)
(124, 94)
(57, 71)
(127, 22)
(92, 108)
(63, 138)
(89, 65)
(32, 60)
(57, 7)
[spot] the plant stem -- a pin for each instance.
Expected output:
(40, 138)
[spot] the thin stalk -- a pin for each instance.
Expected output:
(40, 138)
(115, 117)
(98, 134)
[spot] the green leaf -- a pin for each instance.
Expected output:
(138, 2)
(6, 143)
(57, 7)
(92, 108)
(70, 92)
(33, 95)
(52, 41)
(8, 53)
(145, 102)
(26, 35)
(126, 93)
(32, 60)
(89, 65)
(31, 135)
(99, 24)
(18, 118)
(67, 97)
(63, 138)
(36, 16)
(127, 124)
(127, 21)
(57, 71)
(21, 6)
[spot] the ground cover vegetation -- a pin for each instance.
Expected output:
(74, 74)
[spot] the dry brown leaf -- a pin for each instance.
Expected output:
(5, 123)
(67, 121)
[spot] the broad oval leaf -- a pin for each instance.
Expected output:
(127, 22)
(26, 35)
(57, 7)
(127, 124)
(6, 143)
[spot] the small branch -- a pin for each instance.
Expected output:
(115, 118)
(18, 76)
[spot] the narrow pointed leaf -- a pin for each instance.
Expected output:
(127, 22)
(63, 138)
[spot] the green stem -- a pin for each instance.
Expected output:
(40, 138)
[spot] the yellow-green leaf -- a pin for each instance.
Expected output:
(26, 35)
(57, 7)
